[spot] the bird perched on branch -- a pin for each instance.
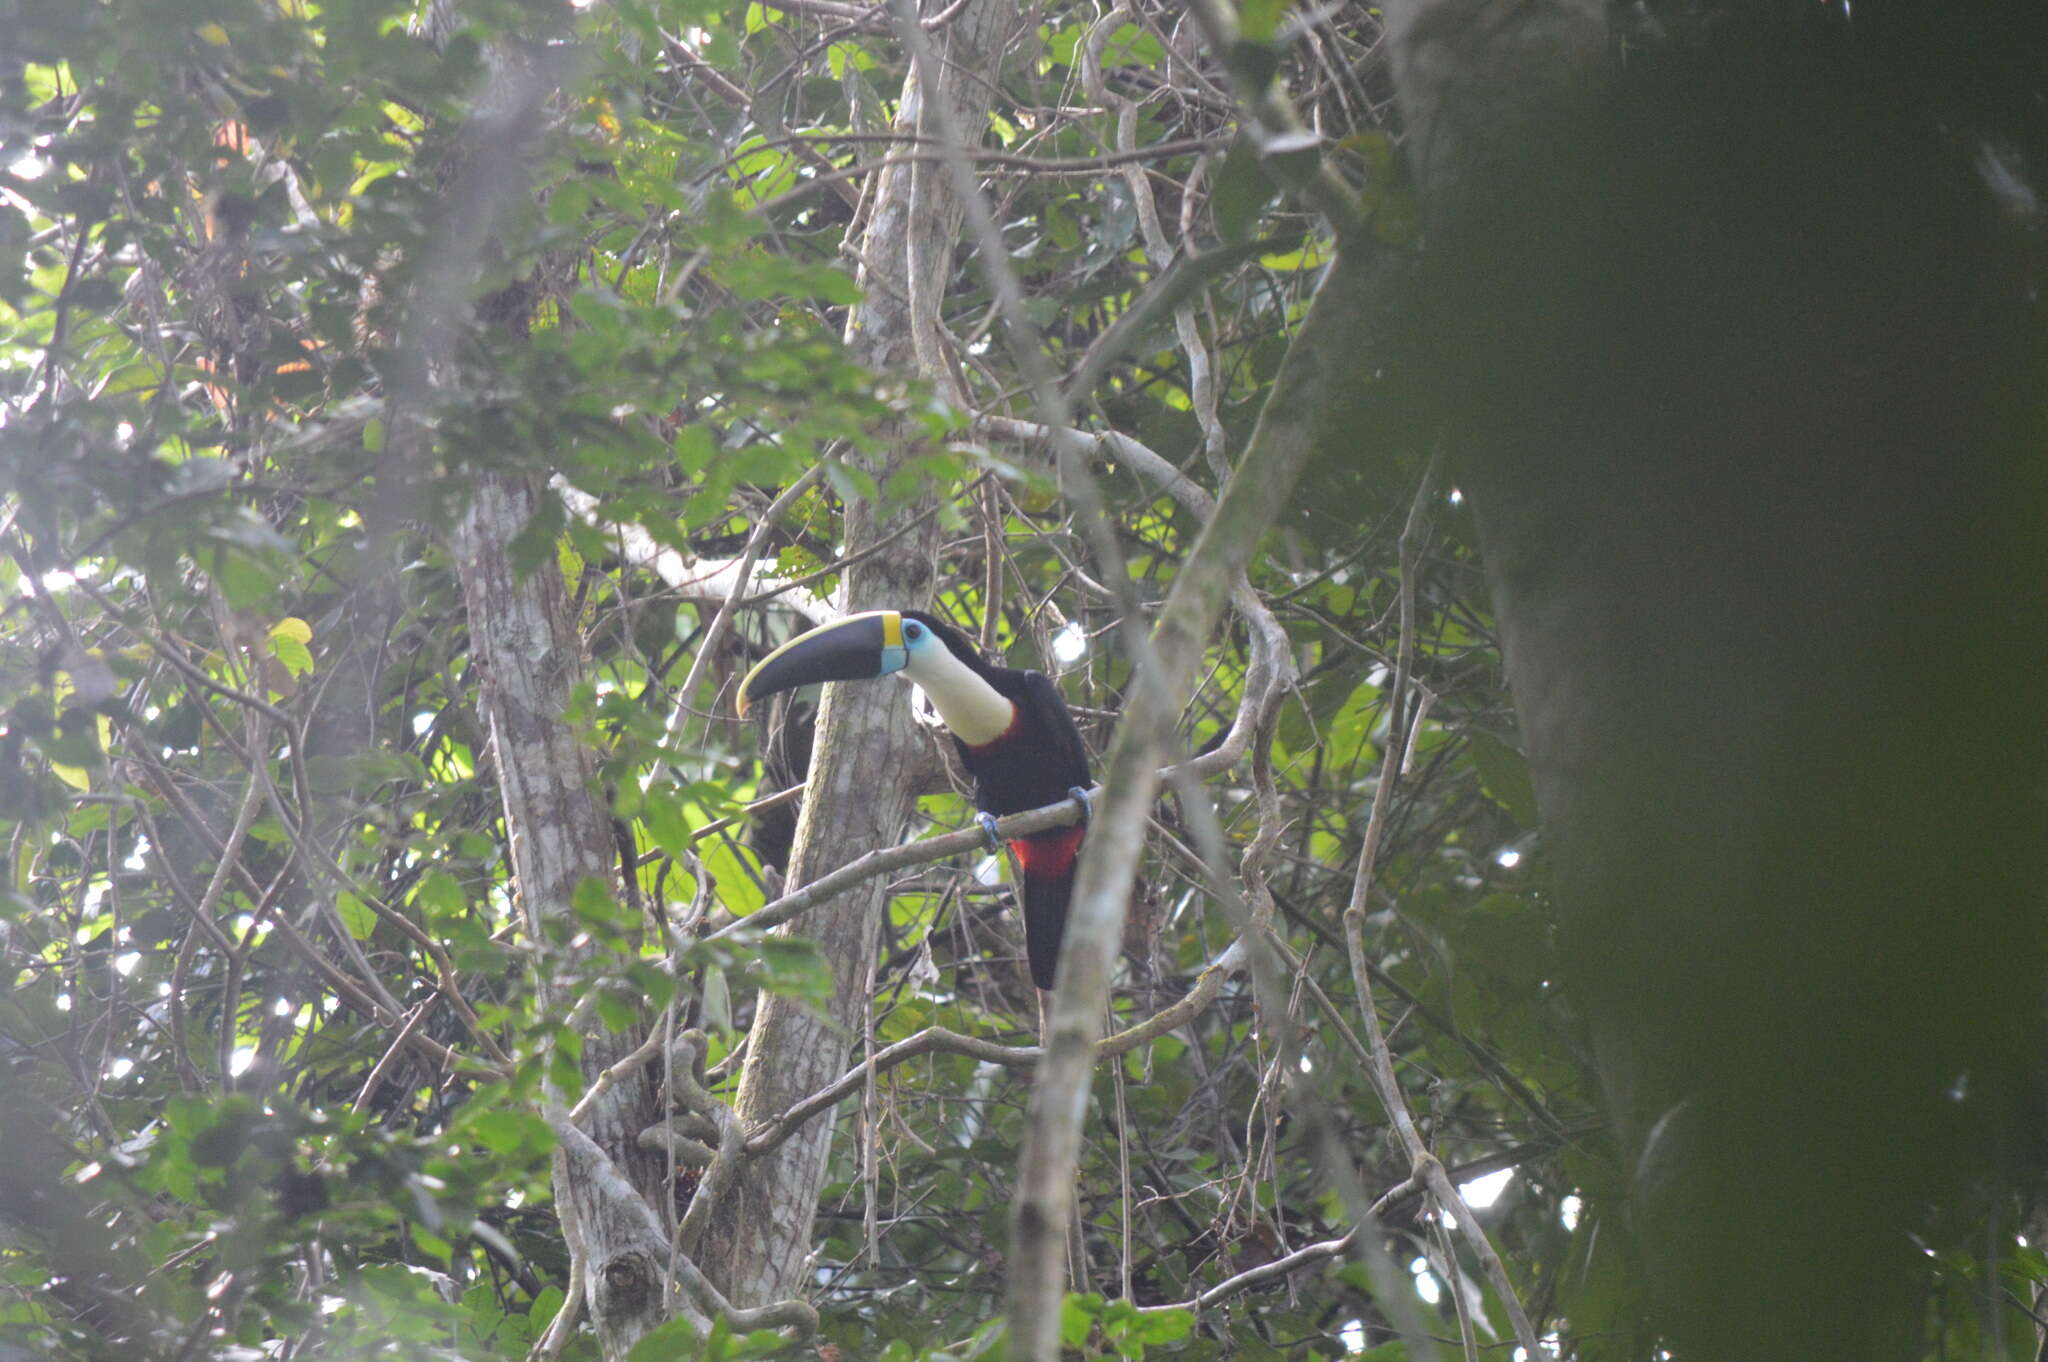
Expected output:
(1012, 727)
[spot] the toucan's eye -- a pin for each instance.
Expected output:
(912, 629)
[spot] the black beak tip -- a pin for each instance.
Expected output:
(849, 650)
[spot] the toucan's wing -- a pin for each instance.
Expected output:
(1047, 858)
(1046, 712)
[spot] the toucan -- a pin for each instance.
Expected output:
(1014, 731)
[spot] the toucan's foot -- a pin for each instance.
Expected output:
(1085, 800)
(988, 830)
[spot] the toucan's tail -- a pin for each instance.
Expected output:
(1048, 863)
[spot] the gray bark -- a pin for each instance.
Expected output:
(530, 655)
(861, 781)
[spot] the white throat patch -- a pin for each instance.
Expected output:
(974, 710)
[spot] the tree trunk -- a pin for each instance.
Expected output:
(860, 789)
(1755, 496)
(531, 657)
(522, 634)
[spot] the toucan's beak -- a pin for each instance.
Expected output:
(853, 649)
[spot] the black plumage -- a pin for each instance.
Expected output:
(1035, 763)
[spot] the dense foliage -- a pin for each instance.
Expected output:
(274, 1054)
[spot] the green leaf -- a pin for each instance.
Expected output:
(762, 275)
(76, 740)
(287, 643)
(1259, 20)
(795, 967)
(1242, 191)
(593, 905)
(1133, 46)
(508, 1132)
(1169, 1326)
(226, 1133)
(357, 916)
(439, 895)
(544, 1308)
(1504, 777)
(247, 583)
(1253, 62)
(662, 814)
(1060, 227)
(615, 1012)
(1078, 1314)
(695, 449)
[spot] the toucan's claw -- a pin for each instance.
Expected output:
(1085, 800)
(988, 830)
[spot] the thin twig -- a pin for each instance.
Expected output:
(1380, 1070)
(943, 1040)
(714, 633)
(1278, 1268)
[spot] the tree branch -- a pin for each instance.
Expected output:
(1273, 461)
(943, 1040)
(886, 859)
